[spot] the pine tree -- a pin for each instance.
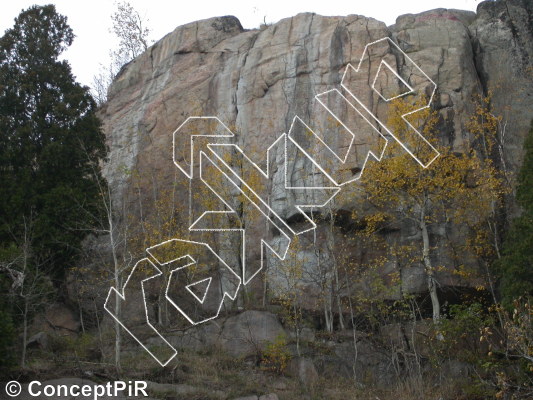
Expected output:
(516, 265)
(50, 141)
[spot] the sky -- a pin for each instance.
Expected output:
(91, 20)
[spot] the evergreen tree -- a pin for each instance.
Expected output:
(516, 265)
(50, 142)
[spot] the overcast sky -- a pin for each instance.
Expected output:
(91, 20)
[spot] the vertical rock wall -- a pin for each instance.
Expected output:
(256, 81)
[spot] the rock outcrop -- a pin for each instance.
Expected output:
(246, 334)
(256, 81)
(501, 38)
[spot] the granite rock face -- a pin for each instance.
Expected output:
(246, 334)
(502, 34)
(257, 81)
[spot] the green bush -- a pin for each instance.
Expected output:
(276, 357)
(82, 347)
(458, 337)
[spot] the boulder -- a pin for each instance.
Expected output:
(303, 369)
(63, 318)
(249, 332)
(270, 396)
(196, 338)
(57, 318)
(39, 340)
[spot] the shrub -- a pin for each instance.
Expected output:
(275, 357)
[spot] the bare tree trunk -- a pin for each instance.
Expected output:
(24, 334)
(413, 341)
(432, 284)
(297, 328)
(189, 209)
(337, 292)
(354, 329)
(80, 310)
(118, 284)
(326, 285)
(265, 260)
(160, 310)
(99, 328)
(26, 256)
(118, 338)
(328, 312)
(326, 316)
(331, 245)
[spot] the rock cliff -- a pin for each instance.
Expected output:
(256, 81)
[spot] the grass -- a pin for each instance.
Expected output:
(215, 375)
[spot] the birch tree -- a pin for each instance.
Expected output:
(132, 31)
(457, 188)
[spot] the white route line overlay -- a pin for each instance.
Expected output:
(284, 226)
(382, 125)
(191, 262)
(123, 297)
